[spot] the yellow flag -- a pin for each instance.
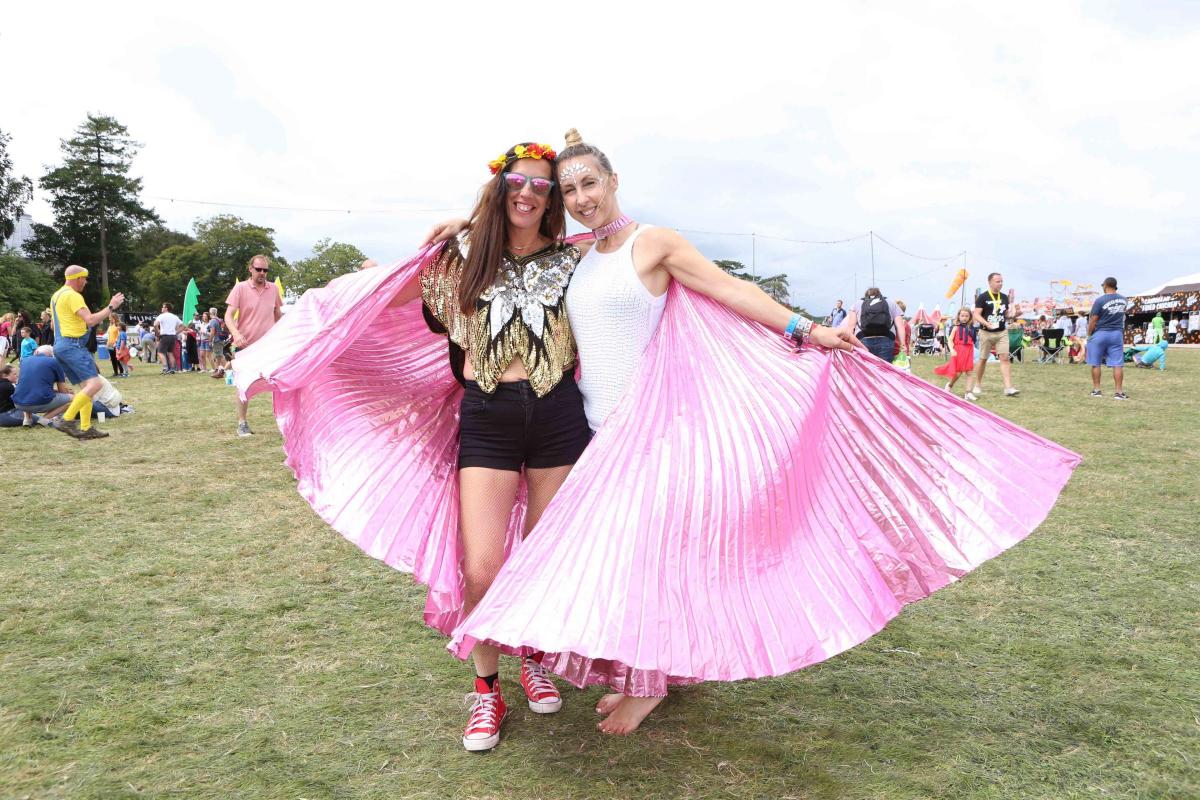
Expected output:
(279, 286)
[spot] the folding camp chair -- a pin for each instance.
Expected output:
(1016, 345)
(1053, 347)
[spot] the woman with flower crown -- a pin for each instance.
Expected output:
(461, 487)
(743, 510)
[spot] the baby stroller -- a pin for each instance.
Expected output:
(926, 340)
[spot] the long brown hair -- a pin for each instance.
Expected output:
(489, 232)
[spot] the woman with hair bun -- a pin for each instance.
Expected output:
(745, 508)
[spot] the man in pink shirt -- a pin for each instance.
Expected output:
(252, 308)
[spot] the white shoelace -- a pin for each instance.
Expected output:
(538, 681)
(483, 709)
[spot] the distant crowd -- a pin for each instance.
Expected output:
(40, 360)
(201, 345)
(991, 330)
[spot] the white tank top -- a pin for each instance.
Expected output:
(613, 316)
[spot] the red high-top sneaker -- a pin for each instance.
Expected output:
(487, 713)
(542, 693)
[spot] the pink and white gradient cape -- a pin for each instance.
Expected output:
(747, 510)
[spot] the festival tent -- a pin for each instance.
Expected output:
(921, 317)
(1184, 283)
(936, 317)
(1175, 299)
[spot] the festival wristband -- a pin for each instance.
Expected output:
(790, 330)
(800, 329)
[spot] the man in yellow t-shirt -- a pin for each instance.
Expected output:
(71, 319)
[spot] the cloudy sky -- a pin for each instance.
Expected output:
(1047, 140)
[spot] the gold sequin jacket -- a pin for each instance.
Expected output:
(523, 313)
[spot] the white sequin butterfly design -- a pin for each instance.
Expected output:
(533, 291)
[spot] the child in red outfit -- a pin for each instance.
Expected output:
(962, 348)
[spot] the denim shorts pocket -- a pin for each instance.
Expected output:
(473, 406)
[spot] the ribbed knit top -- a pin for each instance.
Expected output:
(613, 317)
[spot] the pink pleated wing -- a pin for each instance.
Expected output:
(748, 510)
(368, 409)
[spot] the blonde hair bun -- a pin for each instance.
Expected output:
(573, 138)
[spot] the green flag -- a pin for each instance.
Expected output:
(191, 300)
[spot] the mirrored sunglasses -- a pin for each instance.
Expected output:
(515, 182)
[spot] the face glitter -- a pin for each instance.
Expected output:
(573, 171)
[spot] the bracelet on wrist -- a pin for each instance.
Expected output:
(791, 326)
(798, 328)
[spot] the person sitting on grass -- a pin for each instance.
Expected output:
(10, 417)
(1076, 350)
(110, 401)
(42, 389)
(1150, 354)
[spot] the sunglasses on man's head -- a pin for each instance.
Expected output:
(515, 182)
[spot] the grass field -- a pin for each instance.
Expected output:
(176, 622)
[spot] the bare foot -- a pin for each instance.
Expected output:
(608, 703)
(628, 714)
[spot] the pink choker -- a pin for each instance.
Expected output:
(618, 224)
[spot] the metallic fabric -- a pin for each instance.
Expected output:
(746, 510)
(368, 408)
(521, 315)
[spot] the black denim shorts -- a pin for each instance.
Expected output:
(514, 428)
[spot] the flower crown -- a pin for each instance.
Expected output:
(522, 151)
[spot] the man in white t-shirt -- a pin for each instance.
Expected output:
(167, 326)
(1173, 329)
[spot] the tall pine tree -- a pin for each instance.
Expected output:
(95, 201)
